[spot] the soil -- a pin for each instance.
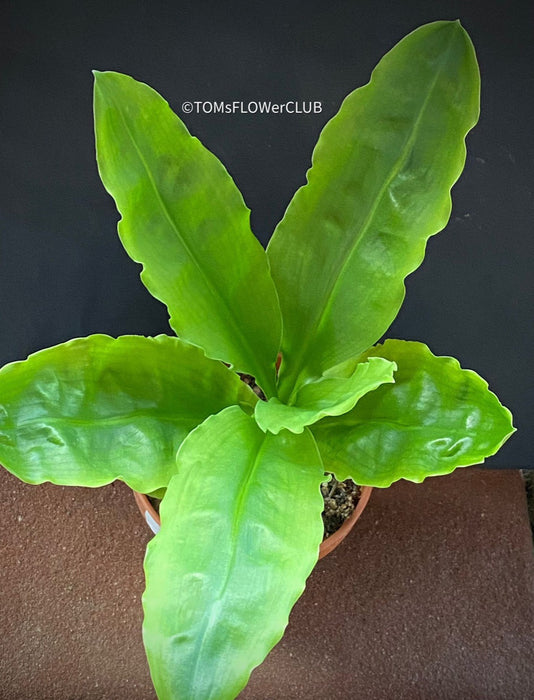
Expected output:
(340, 500)
(248, 379)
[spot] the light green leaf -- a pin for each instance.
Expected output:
(184, 219)
(329, 396)
(240, 532)
(97, 409)
(436, 417)
(379, 186)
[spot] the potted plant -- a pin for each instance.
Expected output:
(240, 476)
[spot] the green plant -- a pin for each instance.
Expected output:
(241, 514)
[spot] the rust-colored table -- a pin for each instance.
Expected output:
(430, 598)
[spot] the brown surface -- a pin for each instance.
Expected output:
(430, 597)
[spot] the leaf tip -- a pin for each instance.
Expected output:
(98, 75)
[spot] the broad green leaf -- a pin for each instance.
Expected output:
(240, 532)
(436, 417)
(379, 186)
(329, 396)
(185, 220)
(97, 409)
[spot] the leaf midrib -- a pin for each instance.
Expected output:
(241, 503)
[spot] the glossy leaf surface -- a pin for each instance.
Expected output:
(329, 396)
(185, 220)
(97, 409)
(379, 186)
(240, 532)
(436, 417)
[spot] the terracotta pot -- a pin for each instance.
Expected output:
(152, 519)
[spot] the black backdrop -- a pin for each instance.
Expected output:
(62, 270)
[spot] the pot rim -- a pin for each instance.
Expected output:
(153, 521)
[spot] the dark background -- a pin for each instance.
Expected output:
(63, 272)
